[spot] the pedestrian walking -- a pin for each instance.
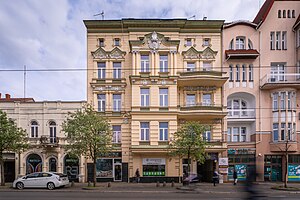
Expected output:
(137, 175)
(235, 177)
(215, 177)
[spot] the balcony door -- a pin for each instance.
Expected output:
(277, 72)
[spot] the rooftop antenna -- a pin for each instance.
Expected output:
(194, 16)
(102, 14)
(24, 84)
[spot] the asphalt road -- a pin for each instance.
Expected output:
(93, 195)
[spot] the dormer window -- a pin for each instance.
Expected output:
(117, 42)
(101, 42)
(240, 43)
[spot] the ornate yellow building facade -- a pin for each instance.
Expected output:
(148, 77)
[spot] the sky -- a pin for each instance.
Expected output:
(48, 37)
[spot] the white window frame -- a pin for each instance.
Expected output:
(230, 73)
(145, 98)
(272, 40)
(284, 40)
(240, 43)
(190, 66)
(145, 63)
(163, 131)
(278, 40)
(101, 103)
(117, 134)
(101, 70)
(237, 72)
(117, 66)
(206, 101)
(163, 97)
(244, 73)
(163, 63)
(275, 101)
(34, 129)
(237, 134)
(145, 131)
(207, 66)
(250, 72)
(207, 136)
(188, 102)
(117, 102)
(52, 132)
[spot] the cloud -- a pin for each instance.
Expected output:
(50, 34)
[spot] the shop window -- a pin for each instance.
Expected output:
(154, 170)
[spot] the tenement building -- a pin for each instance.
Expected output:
(261, 59)
(148, 76)
(42, 122)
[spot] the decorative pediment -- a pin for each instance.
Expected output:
(116, 53)
(208, 53)
(100, 53)
(191, 53)
(154, 41)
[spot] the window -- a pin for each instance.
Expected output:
(230, 73)
(206, 136)
(237, 107)
(116, 133)
(163, 131)
(278, 40)
(240, 43)
(206, 42)
(101, 102)
(190, 99)
(116, 102)
(250, 72)
(237, 73)
(289, 100)
(244, 72)
(116, 70)
(163, 63)
(206, 66)
(282, 100)
(101, 42)
(145, 92)
(206, 99)
(145, 63)
(190, 67)
(243, 134)
(277, 72)
(282, 135)
(117, 41)
(144, 131)
(101, 70)
(52, 129)
(188, 42)
(163, 97)
(231, 45)
(228, 134)
(284, 14)
(275, 131)
(272, 40)
(34, 129)
(275, 101)
(284, 40)
(290, 136)
(279, 13)
(250, 44)
(237, 134)
(289, 14)
(293, 13)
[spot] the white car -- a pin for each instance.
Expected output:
(50, 180)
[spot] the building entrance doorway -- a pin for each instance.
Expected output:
(118, 172)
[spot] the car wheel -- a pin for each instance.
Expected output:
(20, 185)
(50, 186)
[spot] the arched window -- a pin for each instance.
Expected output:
(250, 44)
(293, 13)
(289, 14)
(52, 129)
(279, 13)
(34, 129)
(240, 43)
(231, 44)
(237, 107)
(284, 14)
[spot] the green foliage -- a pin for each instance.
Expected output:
(88, 133)
(12, 138)
(188, 142)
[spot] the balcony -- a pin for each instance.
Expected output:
(241, 114)
(49, 141)
(109, 80)
(201, 110)
(241, 54)
(273, 81)
(207, 78)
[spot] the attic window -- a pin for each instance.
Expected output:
(284, 14)
(101, 42)
(289, 13)
(279, 13)
(293, 13)
(188, 42)
(117, 41)
(206, 42)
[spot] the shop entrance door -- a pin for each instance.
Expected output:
(118, 172)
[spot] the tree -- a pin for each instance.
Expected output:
(188, 142)
(88, 133)
(12, 139)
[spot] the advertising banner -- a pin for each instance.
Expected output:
(294, 172)
(241, 170)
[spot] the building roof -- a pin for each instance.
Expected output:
(264, 11)
(239, 22)
(17, 100)
(297, 23)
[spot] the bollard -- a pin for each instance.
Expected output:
(164, 184)
(157, 184)
(172, 184)
(72, 184)
(89, 184)
(108, 184)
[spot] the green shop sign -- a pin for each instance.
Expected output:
(153, 173)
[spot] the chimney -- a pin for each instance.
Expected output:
(7, 96)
